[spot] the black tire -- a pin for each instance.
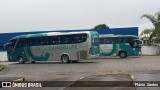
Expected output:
(123, 54)
(75, 61)
(21, 60)
(65, 59)
(33, 61)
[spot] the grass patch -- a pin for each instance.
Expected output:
(1, 67)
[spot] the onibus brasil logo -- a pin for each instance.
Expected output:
(23, 84)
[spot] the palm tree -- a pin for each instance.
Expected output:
(155, 20)
(145, 34)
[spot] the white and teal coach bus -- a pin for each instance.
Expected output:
(67, 47)
(120, 45)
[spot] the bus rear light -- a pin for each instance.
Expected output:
(90, 51)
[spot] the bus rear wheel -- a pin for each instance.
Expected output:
(123, 54)
(21, 60)
(75, 61)
(65, 59)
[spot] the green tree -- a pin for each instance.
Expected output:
(101, 26)
(155, 20)
(145, 34)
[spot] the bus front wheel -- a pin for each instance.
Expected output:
(33, 61)
(65, 59)
(123, 54)
(21, 60)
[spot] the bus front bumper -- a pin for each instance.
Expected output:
(140, 53)
(95, 56)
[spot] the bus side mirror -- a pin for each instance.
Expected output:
(5, 46)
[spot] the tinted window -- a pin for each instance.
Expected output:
(42, 40)
(21, 42)
(73, 39)
(137, 43)
(9, 48)
(79, 38)
(125, 40)
(54, 40)
(114, 40)
(13, 42)
(67, 39)
(108, 40)
(31, 42)
(102, 40)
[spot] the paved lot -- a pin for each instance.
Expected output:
(142, 68)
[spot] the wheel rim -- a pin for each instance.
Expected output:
(20, 60)
(123, 55)
(64, 59)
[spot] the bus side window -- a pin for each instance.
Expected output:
(108, 40)
(21, 43)
(55, 40)
(38, 41)
(79, 38)
(73, 40)
(114, 40)
(84, 37)
(31, 42)
(67, 40)
(122, 40)
(125, 40)
(41, 41)
(76, 39)
(47, 40)
(119, 39)
(102, 41)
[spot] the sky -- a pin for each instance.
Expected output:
(46, 15)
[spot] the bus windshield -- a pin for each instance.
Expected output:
(137, 43)
(10, 46)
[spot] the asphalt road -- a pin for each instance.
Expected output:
(144, 68)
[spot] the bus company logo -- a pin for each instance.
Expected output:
(95, 41)
(6, 84)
